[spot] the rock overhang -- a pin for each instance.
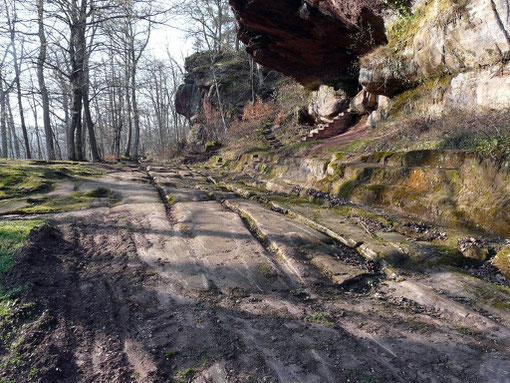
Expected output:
(313, 41)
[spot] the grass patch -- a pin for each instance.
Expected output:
(321, 318)
(13, 236)
(465, 330)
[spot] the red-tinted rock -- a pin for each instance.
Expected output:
(313, 41)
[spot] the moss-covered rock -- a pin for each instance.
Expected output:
(502, 262)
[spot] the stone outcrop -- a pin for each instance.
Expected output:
(315, 42)
(443, 37)
(198, 95)
(232, 74)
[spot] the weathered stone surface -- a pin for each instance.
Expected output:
(447, 187)
(374, 119)
(313, 41)
(188, 99)
(385, 77)
(488, 89)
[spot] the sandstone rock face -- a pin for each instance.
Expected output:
(445, 38)
(487, 89)
(232, 75)
(314, 41)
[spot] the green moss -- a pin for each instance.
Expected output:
(446, 256)
(405, 101)
(487, 293)
(356, 145)
(32, 374)
(402, 7)
(402, 33)
(20, 178)
(267, 270)
(56, 204)
(171, 200)
(502, 262)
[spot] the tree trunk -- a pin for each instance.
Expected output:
(13, 130)
(50, 149)
(90, 125)
(136, 113)
(129, 113)
(77, 45)
(3, 121)
(17, 72)
(21, 111)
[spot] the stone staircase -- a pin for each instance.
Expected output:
(339, 125)
(269, 136)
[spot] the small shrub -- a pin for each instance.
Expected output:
(257, 111)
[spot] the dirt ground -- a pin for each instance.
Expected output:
(147, 291)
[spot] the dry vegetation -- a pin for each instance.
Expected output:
(488, 134)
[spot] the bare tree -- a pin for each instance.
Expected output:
(11, 24)
(50, 149)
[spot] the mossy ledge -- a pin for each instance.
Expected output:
(455, 188)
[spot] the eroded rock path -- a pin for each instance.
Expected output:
(175, 284)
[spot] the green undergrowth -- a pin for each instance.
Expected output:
(23, 178)
(13, 310)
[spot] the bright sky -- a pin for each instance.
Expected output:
(178, 46)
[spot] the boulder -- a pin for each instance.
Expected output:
(326, 103)
(364, 102)
(386, 78)
(384, 105)
(188, 100)
(473, 248)
(314, 41)
(374, 119)
(502, 262)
